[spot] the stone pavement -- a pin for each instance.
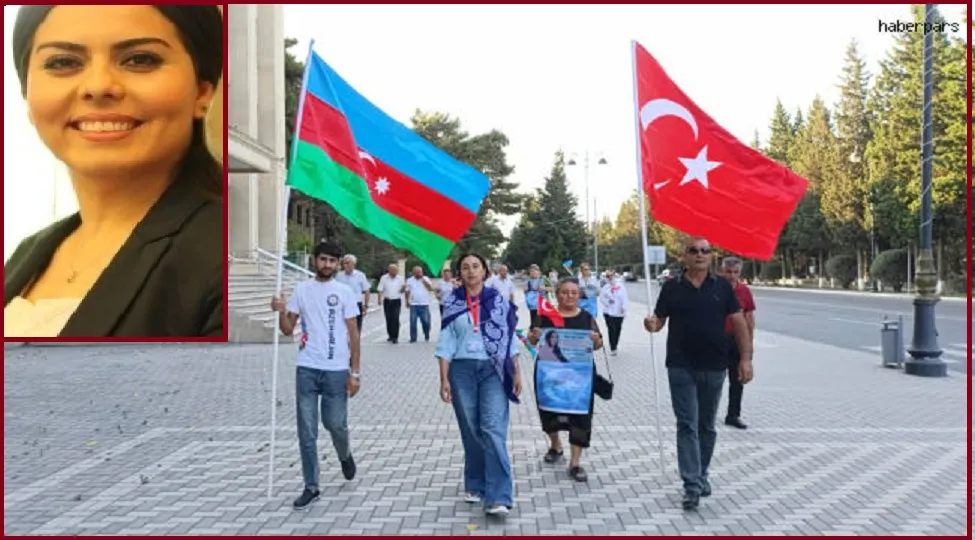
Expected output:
(174, 439)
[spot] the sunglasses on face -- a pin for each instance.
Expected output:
(697, 250)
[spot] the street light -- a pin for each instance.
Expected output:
(925, 353)
(585, 167)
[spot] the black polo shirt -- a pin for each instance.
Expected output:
(696, 336)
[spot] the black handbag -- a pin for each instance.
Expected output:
(602, 386)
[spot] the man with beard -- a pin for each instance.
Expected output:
(696, 305)
(328, 363)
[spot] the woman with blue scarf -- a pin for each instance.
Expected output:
(479, 375)
(590, 286)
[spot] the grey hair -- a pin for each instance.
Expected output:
(350, 257)
(731, 262)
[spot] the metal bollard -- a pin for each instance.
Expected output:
(892, 343)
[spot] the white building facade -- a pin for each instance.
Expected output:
(256, 134)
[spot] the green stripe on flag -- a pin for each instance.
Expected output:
(317, 175)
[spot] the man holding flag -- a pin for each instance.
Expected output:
(705, 183)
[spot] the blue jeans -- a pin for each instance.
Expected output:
(330, 385)
(422, 313)
(481, 407)
(695, 396)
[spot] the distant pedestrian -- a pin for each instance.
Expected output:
(590, 286)
(358, 282)
(697, 303)
(534, 286)
(418, 289)
(503, 283)
(444, 287)
(613, 301)
(732, 271)
(391, 288)
(328, 364)
(479, 375)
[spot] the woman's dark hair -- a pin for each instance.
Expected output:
(201, 31)
(476, 256)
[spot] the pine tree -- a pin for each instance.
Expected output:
(844, 200)
(781, 135)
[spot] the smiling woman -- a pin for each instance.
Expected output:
(120, 95)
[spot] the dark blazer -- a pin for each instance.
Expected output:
(167, 280)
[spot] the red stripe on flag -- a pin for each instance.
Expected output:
(327, 128)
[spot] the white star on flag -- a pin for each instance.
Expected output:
(697, 168)
(382, 186)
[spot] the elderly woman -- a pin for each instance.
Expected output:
(613, 301)
(589, 290)
(579, 426)
(479, 375)
(119, 94)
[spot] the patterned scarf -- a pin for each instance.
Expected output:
(497, 323)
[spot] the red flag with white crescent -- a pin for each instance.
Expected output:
(546, 309)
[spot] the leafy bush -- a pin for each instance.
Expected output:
(890, 267)
(842, 268)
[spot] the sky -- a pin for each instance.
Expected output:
(554, 77)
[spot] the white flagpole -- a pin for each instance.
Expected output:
(282, 244)
(646, 261)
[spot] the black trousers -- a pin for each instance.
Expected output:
(615, 326)
(392, 310)
(358, 320)
(735, 388)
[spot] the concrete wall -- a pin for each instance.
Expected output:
(256, 108)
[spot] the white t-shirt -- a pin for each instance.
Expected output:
(504, 285)
(357, 281)
(417, 287)
(323, 307)
(444, 288)
(391, 287)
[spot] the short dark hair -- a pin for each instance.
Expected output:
(201, 30)
(328, 248)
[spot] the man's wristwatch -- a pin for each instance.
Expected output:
(354, 375)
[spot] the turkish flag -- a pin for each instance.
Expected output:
(700, 179)
(548, 310)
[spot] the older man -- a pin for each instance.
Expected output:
(503, 283)
(697, 303)
(391, 288)
(358, 282)
(732, 271)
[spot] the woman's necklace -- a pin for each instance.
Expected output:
(75, 270)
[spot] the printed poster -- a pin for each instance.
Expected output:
(564, 371)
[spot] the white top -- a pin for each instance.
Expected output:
(444, 288)
(613, 299)
(589, 285)
(323, 309)
(391, 287)
(357, 281)
(506, 286)
(417, 289)
(46, 318)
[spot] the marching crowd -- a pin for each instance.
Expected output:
(710, 321)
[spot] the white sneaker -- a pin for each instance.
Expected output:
(472, 498)
(612, 353)
(497, 510)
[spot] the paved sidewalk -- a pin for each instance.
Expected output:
(170, 440)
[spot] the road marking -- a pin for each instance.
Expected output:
(892, 314)
(851, 321)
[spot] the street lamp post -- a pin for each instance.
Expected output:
(590, 230)
(925, 353)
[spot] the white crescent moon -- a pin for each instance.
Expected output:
(656, 108)
(364, 155)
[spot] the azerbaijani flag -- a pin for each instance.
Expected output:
(377, 173)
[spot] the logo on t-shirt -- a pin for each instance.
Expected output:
(333, 300)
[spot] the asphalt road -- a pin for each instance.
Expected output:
(848, 320)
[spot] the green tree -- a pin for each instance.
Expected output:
(781, 135)
(845, 197)
(561, 234)
(486, 153)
